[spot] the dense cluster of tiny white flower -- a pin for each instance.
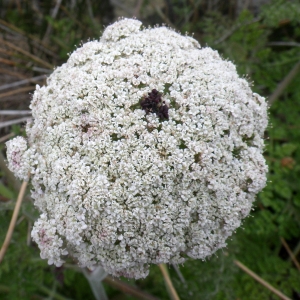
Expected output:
(123, 188)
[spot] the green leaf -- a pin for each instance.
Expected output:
(6, 192)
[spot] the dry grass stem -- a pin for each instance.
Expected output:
(119, 4)
(291, 254)
(284, 44)
(6, 137)
(20, 220)
(234, 29)
(26, 53)
(17, 91)
(284, 83)
(8, 53)
(51, 293)
(13, 220)
(53, 16)
(162, 15)
(7, 62)
(38, 43)
(15, 112)
(261, 281)
(138, 8)
(66, 11)
(297, 249)
(42, 70)
(177, 270)
(11, 122)
(12, 73)
(90, 12)
(169, 284)
(193, 11)
(128, 289)
(21, 82)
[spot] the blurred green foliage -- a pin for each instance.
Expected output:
(251, 41)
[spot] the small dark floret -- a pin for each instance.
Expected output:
(154, 104)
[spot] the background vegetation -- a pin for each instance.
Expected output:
(263, 39)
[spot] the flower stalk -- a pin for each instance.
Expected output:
(13, 220)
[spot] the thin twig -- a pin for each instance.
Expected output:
(284, 83)
(291, 254)
(7, 62)
(20, 220)
(26, 53)
(5, 52)
(261, 281)
(234, 29)
(297, 249)
(138, 8)
(71, 16)
(161, 14)
(53, 16)
(13, 220)
(177, 270)
(122, 6)
(6, 137)
(284, 44)
(195, 8)
(15, 112)
(17, 91)
(21, 82)
(90, 11)
(169, 284)
(12, 122)
(281, 63)
(38, 43)
(42, 70)
(12, 73)
(128, 289)
(35, 42)
(52, 294)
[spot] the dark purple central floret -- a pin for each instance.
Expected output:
(154, 104)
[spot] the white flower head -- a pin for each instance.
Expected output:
(18, 157)
(144, 148)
